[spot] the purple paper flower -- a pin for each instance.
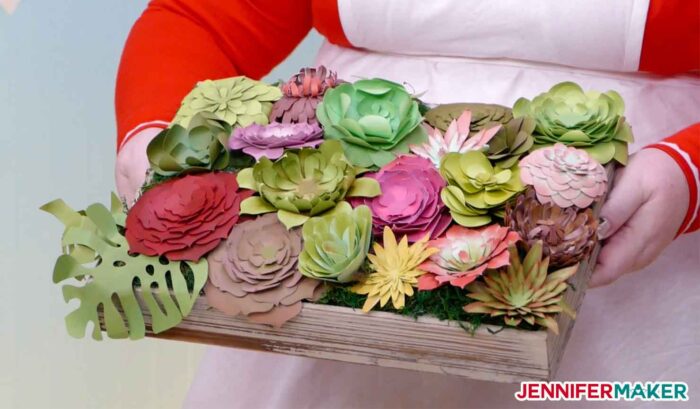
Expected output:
(271, 140)
(410, 201)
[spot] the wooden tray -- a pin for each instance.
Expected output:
(390, 340)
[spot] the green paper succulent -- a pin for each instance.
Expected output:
(512, 141)
(476, 190)
(240, 101)
(483, 115)
(303, 184)
(336, 244)
(374, 119)
(591, 120)
(112, 284)
(200, 147)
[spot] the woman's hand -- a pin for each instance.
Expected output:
(642, 215)
(132, 165)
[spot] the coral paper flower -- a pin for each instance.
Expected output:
(410, 201)
(271, 140)
(301, 95)
(464, 254)
(396, 268)
(254, 273)
(185, 218)
(564, 176)
(455, 139)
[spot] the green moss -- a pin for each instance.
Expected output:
(444, 303)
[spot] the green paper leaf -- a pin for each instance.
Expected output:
(365, 187)
(109, 286)
(246, 180)
(291, 220)
(256, 205)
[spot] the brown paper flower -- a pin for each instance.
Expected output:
(254, 273)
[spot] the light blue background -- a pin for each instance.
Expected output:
(58, 62)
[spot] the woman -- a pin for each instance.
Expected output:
(643, 328)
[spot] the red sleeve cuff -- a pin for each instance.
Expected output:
(684, 148)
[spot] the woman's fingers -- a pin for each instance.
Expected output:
(624, 199)
(132, 164)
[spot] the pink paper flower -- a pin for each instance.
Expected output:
(301, 95)
(271, 140)
(465, 254)
(564, 176)
(410, 201)
(456, 139)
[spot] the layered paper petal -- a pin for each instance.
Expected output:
(254, 273)
(410, 201)
(185, 218)
(564, 176)
(271, 140)
(302, 94)
(464, 254)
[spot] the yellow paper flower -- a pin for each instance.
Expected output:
(395, 272)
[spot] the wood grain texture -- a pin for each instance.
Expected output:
(390, 340)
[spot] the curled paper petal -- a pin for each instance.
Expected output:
(302, 94)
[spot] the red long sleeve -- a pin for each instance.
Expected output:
(684, 148)
(176, 43)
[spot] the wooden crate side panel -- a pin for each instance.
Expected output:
(378, 338)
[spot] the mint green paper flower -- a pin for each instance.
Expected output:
(592, 121)
(336, 244)
(303, 183)
(240, 101)
(374, 119)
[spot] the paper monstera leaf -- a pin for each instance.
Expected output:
(97, 255)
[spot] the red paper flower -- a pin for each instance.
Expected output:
(185, 218)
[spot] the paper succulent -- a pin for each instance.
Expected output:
(240, 101)
(564, 176)
(304, 183)
(483, 115)
(513, 139)
(254, 273)
(465, 254)
(200, 147)
(336, 244)
(185, 218)
(523, 291)
(410, 201)
(301, 95)
(395, 271)
(591, 120)
(568, 235)
(374, 119)
(475, 189)
(455, 139)
(271, 140)
(114, 289)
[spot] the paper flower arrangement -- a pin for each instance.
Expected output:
(475, 189)
(568, 235)
(184, 219)
(254, 273)
(375, 120)
(564, 176)
(464, 254)
(240, 101)
(455, 139)
(271, 140)
(410, 201)
(302, 94)
(267, 197)
(200, 147)
(303, 184)
(395, 271)
(336, 244)
(591, 120)
(523, 291)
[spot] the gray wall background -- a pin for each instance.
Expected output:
(58, 62)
